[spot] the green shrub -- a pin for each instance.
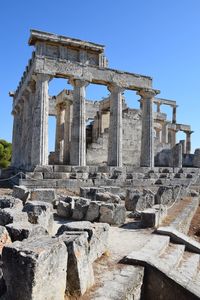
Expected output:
(5, 153)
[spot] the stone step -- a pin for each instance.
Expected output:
(179, 237)
(153, 248)
(194, 285)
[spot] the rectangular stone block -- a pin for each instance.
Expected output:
(35, 269)
(47, 195)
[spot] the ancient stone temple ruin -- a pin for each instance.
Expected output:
(91, 132)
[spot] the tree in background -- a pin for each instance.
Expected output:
(5, 153)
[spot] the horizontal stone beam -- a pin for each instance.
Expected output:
(96, 75)
(183, 127)
(165, 102)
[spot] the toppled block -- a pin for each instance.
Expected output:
(4, 238)
(97, 236)
(19, 231)
(47, 195)
(35, 269)
(93, 211)
(108, 197)
(152, 217)
(9, 202)
(40, 213)
(65, 206)
(80, 209)
(113, 214)
(10, 215)
(21, 192)
(80, 275)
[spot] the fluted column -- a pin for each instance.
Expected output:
(147, 142)
(78, 134)
(39, 154)
(16, 136)
(67, 130)
(115, 128)
(60, 121)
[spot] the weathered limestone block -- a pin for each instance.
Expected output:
(93, 211)
(35, 269)
(10, 215)
(9, 202)
(40, 213)
(113, 214)
(80, 275)
(80, 209)
(19, 231)
(167, 194)
(97, 236)
(20, 192)
(47, 195)
(152, 217)
(43, 169)
(108, 197)
(196, 160)
(65, 206)
(132, 197)
(90, 193)
(4, 239)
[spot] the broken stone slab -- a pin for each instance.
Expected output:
(4, 240)
(80, 209)
(41, 213)
(9, 202)
(19, 231)
(113, 214)
(10, 215)
(35, 269)
(108, 197)
(97, 236)
(65, 206)
(93, 212)
(21, 192)
(47, 195)
(80, 275)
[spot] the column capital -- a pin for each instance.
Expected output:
(77, 82)
(148, 93)
(41, 77)
(114, 88)
(188, 132)
(61, 105)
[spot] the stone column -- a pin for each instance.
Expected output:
(31, 89)
(147, 143)
(20, 133)
(188, 141)
(78, 134)
(165, 133)
(60, 121)
(158, 106)
(174, 115)
(115, 127)
(39, 154)
(67, 130)
(25, 133)
(16, 137)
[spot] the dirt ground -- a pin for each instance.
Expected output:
(194, 230)
(5, 191)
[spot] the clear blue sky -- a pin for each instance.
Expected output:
(160, 38)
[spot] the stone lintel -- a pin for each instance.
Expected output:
(171, 103)
(92, 74)
(41, 36)
(183, 127)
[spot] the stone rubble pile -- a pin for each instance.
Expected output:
(38, 264)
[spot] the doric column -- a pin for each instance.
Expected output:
(25, 127)
(60, 121)
(20, 133)
(165, 133)
(78, 134)
(115, 127)
(147, 142)
(39, 154)
(174, 114)
(67, 130)
(158, 106)
(15, 137)
(188, 141)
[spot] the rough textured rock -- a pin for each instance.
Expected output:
(9, 202)
(112, 213)
(77, 226)
(2, 285)
(80, 209)
(4, 238)
(19, 231)
(40, 213)
(35, 269)
(139, 200)
(21, 192)
(47, 195)
(131, 199)
(167, 194)
(65, 206)
(108, 197)
(80, 275)
(93, 211)
(10, 215)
